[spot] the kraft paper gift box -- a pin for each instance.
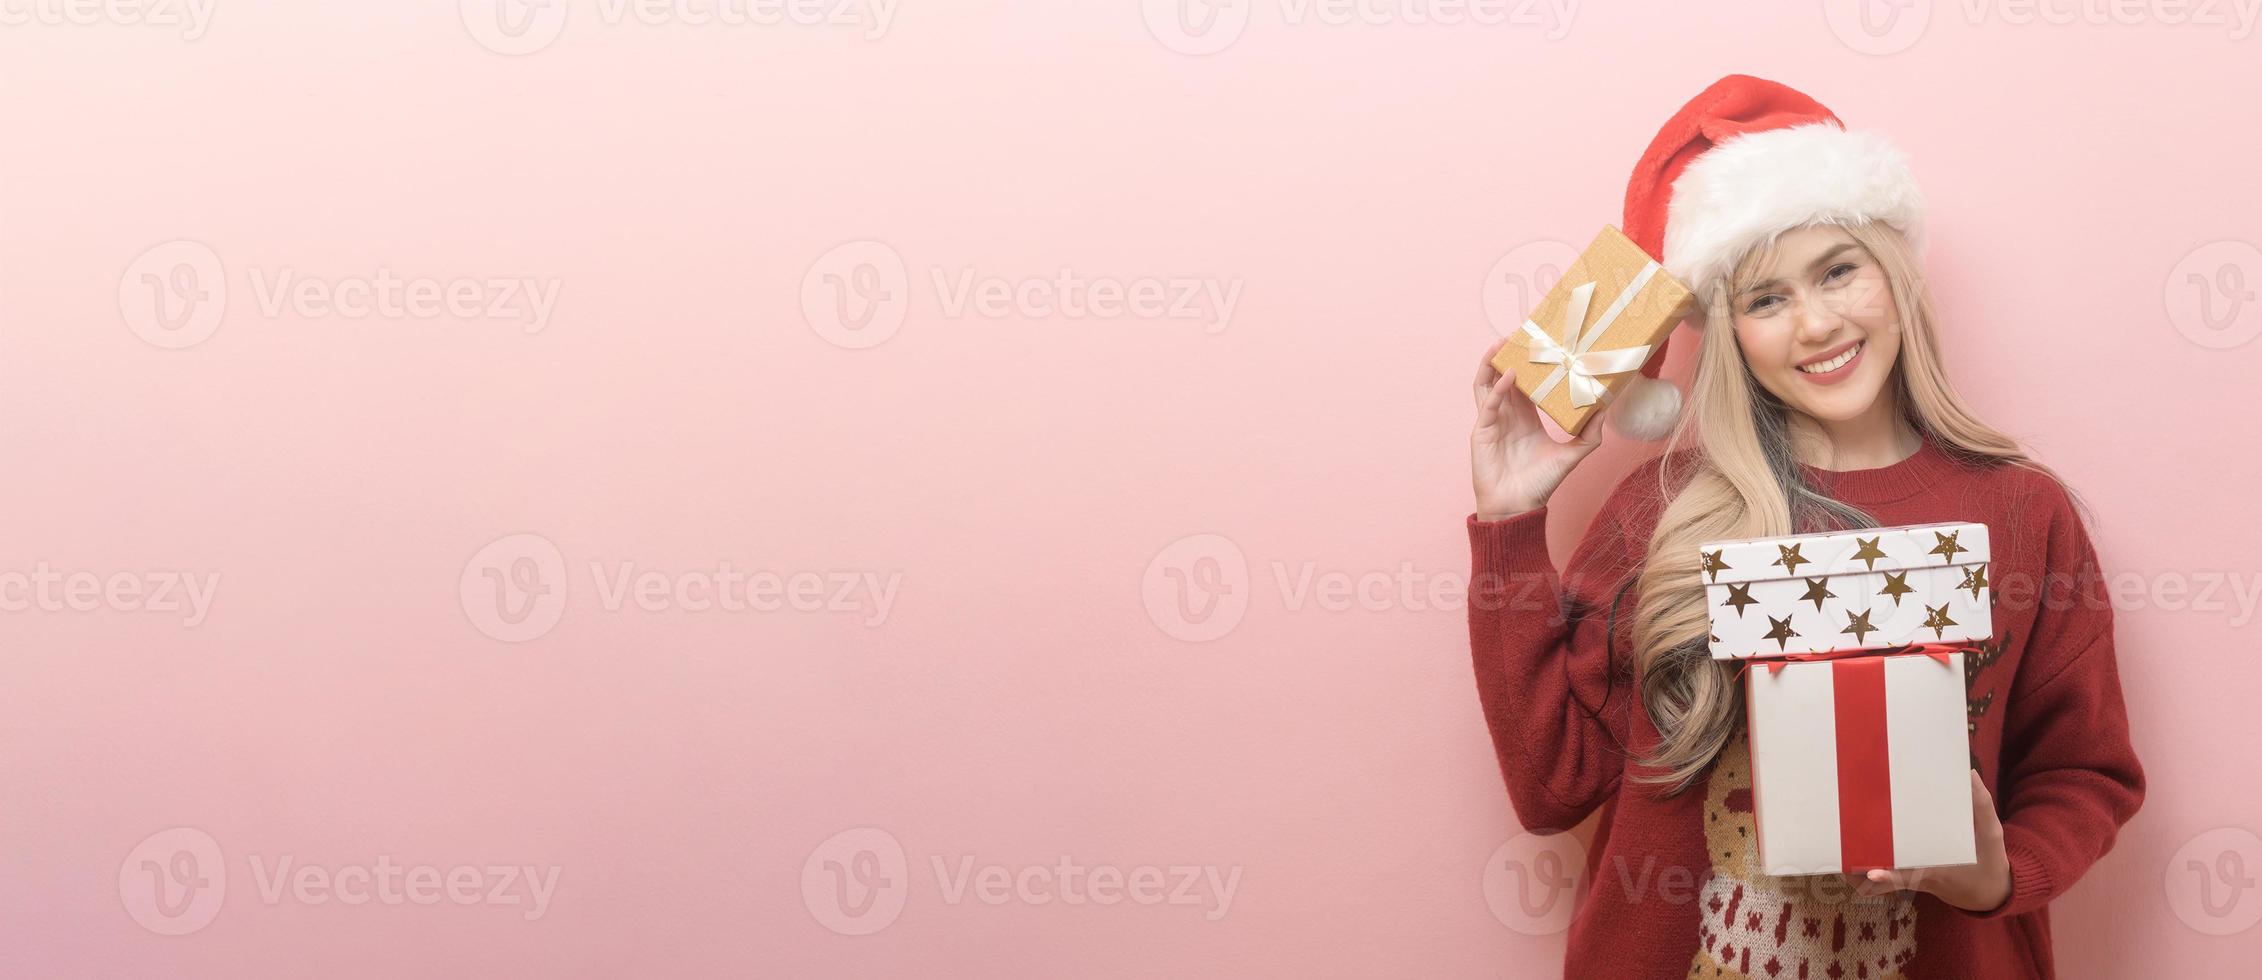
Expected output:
(1848, 590)
(1590, 334)
(1860, 763)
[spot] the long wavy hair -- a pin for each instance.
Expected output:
(1743, 481)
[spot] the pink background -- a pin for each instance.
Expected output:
(1032, 692)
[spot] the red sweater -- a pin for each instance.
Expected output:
(1671, 890)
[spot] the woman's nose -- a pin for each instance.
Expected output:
(1816, 321)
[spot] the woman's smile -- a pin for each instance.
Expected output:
(1833, 366)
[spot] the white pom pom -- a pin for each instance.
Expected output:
(1645, 409)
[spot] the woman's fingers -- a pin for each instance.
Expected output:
(1983, 817)
(1590, 435)
(1509, 404)
(1486, 373)
(1882, 882)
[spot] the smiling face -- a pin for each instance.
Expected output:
(1817, 325)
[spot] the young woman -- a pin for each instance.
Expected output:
(1819, 401)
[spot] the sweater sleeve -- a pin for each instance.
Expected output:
(2069, 778)
(1558, 718)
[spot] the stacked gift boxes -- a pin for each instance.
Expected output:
(1855, 699)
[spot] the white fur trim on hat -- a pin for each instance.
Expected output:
(1749, 187)
(1645, 409)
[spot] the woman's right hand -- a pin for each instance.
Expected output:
(1513, 463)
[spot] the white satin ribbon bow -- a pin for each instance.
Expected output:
(1571, 357)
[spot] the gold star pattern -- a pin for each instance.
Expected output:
(1739, 596)
(1975, 579)
(1781, 633)
(1714, 565)
(1896, 585)
(1869, 552)
(1791, 559)
(1858, 624)
(1818, 589)
(1936, 619)
(1947, 548)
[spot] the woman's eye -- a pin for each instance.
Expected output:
(1842, 268)
(1759, 304)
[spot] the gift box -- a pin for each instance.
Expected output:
(1860, 762)
(1849, 590)
(1590, 334)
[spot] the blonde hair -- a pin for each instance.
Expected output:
(1743, 481)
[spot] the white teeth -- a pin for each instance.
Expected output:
(1834, 363)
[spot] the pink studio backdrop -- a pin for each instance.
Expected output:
(972, 489)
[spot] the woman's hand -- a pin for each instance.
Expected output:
(1981, 887)
(1514, 465)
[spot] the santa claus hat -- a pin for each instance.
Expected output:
(1745, 160)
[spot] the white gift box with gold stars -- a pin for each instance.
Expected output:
(1848, 590)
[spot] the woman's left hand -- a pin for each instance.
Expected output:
(1980, 887)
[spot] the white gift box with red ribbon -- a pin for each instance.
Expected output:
(1860, 762)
